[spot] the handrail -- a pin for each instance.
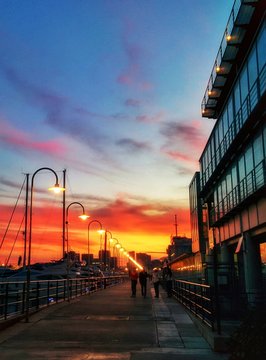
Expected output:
(47, 292)
(198, 298)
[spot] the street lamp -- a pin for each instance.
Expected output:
(83, 216)
(105, 246)
(56, 188)
(117, 246)
(101, 231)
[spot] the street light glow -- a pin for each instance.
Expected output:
(56, 188)
(84, 216)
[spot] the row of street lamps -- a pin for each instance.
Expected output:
(57, 189)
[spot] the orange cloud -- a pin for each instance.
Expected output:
(139, 226)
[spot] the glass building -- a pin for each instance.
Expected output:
(232, 179)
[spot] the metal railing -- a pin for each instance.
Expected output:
(251, 183)
(47, 292)
(253, 97)
(198, 298)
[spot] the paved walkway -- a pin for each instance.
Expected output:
(108, 325)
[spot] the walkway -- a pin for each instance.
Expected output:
(108, 325)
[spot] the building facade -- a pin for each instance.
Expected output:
(232, 179)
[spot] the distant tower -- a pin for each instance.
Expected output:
(175, 225)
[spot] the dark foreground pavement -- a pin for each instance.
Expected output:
(108, 325)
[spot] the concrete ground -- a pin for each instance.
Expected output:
(109, 325)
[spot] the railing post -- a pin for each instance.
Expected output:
(37, 295)
(6, 302)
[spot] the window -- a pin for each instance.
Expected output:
(237, 97)
(230, 111)
(234, 184)
(252, 67)
(264, 139)
(249, 160)
(234, 176)
(241, 168)
(244, 84)
(229, 182)
(261, 47)
(258, 150)
(221, 132)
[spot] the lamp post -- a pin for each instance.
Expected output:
(117, 246)
(56, 188)
(105, 246)
(100, 231)
(83, 216)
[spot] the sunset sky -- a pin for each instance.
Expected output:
(109, 90)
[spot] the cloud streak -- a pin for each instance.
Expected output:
(21, 140)
(151, 118)
(60, 113)
(132, 145)
(183, 132)
(132, 76)
(183, 141)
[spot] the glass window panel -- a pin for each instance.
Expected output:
(221, 133)
(244, 84)
(230, 111)
(204, 163)
(217, 137)
(224, 188)
(252, 68)
(258, 150)
(249, 160)
(261, 46)
(241, 167)
(237, 97)
(229, 182)
(220, 195)
(234, 176)
(215, 197)
(264, 139)
(225, 123)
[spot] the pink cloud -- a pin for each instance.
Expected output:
(176, 155)
(21, 140)
(186, 132)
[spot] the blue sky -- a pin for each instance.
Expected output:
(110, 91)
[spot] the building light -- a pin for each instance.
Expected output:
(209, 92)
(228, 38)
(218, 69)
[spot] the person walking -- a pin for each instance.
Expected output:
(156, 282)
(168, 280)
(133, 274)
(143, 275)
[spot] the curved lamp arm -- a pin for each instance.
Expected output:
(101, 229)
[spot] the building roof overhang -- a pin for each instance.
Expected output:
(233, 40)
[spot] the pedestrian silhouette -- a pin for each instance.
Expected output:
(143, 275)
(156, 281)
(134, 280)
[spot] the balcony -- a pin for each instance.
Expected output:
(232, 40)
(253, 182)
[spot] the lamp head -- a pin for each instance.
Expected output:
(84, 216)
(56, 188)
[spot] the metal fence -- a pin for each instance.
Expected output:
(42, 293)
(198, 298)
